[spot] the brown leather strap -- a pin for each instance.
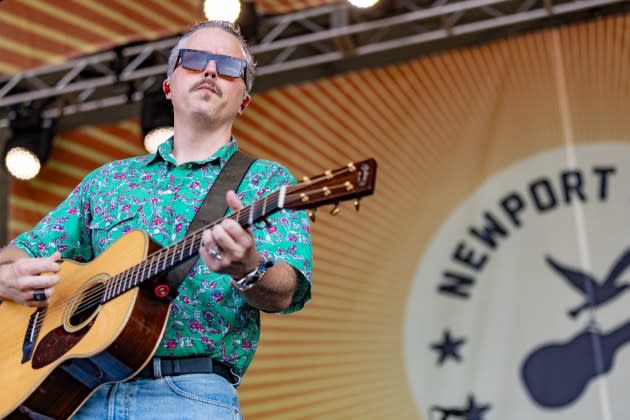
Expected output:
(213, 208)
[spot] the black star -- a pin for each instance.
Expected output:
(475, 412)
(448, 347)
(472, 412)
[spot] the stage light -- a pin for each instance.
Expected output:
(156, 120)
(29, 146)
(222, 9)
(157, 136)
(248, 20)
(363, 3)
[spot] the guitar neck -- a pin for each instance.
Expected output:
(173, 255)
(352, 181)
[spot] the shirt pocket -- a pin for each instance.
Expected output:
(106, 228)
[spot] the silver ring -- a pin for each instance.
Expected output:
(215, 253)
(39, 295)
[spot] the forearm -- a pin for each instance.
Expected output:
(274, 291)
(10, 254)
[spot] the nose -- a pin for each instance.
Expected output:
(211, 69)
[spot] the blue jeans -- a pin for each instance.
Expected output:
(194, 397)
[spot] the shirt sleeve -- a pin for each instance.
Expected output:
(64, 229)
(287, 237)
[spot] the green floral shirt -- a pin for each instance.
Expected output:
(152, 193)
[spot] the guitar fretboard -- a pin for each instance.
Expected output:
(167, 258)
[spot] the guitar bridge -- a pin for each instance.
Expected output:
(32, 332)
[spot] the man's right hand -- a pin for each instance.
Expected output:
(24, 279)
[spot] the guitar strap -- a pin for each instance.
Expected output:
(212, 208)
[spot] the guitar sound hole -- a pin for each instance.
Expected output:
(88, 304)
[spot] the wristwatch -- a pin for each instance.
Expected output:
(250, 279)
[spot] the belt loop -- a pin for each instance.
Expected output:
(157, 367)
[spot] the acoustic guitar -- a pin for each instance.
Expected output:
(106, 317)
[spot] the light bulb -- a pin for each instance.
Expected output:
(222, 9)
(363, 3)
(22, 163)
(157, 136)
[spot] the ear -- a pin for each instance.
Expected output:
(167, 89)
(245, 103)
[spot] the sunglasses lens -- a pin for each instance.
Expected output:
(194, 60)
(198, 61)
(229, 67)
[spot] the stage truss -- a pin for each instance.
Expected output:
(291, 47)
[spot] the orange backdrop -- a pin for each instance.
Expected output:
(439, 126)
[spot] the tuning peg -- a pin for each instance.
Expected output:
(335, 210)
(311, 215)
(357, 204)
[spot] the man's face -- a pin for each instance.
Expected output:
(206, 94)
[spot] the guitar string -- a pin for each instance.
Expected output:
(92, 298)
(95, 297)
(157, 258)
(243, 216)
(97, 294)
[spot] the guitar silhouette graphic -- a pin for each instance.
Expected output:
(555, 375)
(595, 294)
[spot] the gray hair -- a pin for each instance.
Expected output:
(231, 29)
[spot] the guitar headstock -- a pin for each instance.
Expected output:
(353, 181)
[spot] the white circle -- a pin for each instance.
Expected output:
(518, 303)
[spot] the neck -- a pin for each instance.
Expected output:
(198, 140)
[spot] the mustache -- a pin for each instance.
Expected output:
(210, 83)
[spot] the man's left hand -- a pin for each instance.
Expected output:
(227, 248)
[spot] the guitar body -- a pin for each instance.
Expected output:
(80, 344)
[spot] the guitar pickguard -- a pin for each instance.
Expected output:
(57, 343)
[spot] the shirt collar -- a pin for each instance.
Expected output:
(221, 156)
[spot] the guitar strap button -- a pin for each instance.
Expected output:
(162, 290)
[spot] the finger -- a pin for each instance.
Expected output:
(209, 250)
(232, 200)
(34, 266)
(39, 297)
(43, 281)
(208, 241)
(239, 235)
(225, 241)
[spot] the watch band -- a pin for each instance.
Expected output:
(250, 279)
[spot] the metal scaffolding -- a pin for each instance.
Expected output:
(314, 41)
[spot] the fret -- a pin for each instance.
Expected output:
(237, 216)
(264, 204)
(181, 252)
(250, 220)
(192, 244)
(108, 287)
(162, 262)
(143, 269)
(118, 283)
(133, 274)
(123, 284)
(172, 251)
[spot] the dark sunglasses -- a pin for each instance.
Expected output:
(197, 60)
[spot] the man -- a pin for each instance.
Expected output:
(216, 314)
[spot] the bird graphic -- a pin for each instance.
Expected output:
(595, 293)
